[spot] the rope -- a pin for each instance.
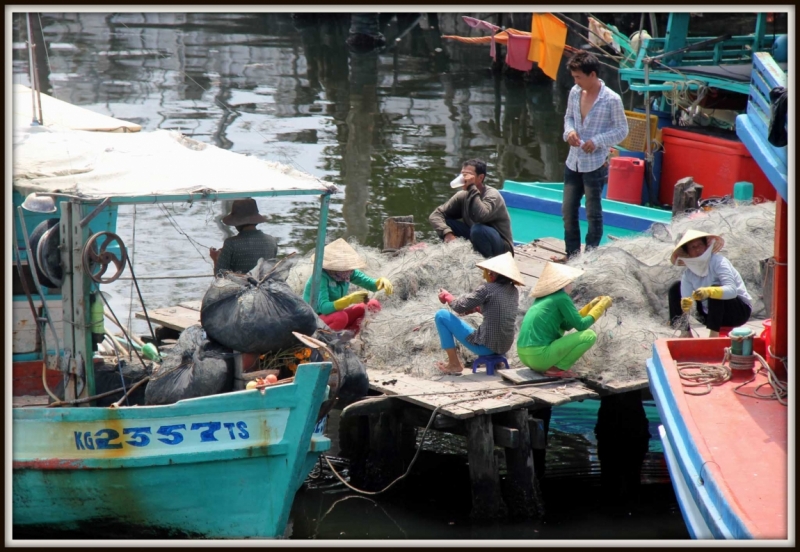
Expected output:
(708, 375)
(419, 447)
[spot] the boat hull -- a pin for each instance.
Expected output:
(535, 210)
(726, 453)
(224, 466)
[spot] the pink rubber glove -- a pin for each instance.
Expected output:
(445, 296)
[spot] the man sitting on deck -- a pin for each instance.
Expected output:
(477, 213)
(240, 253)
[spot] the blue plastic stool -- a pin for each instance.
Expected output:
(490, 361)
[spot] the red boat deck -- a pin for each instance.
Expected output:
(742, 440)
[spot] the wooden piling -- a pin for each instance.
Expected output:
(520, 494)
(398, 232)
(487, 501)
(686, 196)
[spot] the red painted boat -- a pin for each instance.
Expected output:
(727, 450)
(727, 453)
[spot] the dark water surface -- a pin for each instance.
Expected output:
(391, 128)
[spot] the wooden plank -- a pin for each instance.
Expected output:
(523, 375)
(485, 394)
(614, 387)
(177, 317)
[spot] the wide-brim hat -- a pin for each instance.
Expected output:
(243, 212)
(554, 277)
(690, 235)
(340, 256)
(505, 265)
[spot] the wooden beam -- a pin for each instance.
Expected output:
(520, 495)
(487, 502)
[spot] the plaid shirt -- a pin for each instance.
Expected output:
(499, 304)
(605, 126)
(240, 253)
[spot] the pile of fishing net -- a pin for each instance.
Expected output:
(635, 272)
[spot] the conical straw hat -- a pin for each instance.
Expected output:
(690, 235)
(339, 255)
(554, 277)
(503, 264)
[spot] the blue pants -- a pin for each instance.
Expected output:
(576, 185)
(451, 326)
(485, 239)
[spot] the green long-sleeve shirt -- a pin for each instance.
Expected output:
(548, 318)
(330, 290)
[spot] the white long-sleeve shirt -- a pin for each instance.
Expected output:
(720, 273)
(605, 125)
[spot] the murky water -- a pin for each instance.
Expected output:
(391, 129)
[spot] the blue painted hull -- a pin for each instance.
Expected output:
(224, 466)
(543, 201)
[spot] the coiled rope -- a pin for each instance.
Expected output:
(697, 374)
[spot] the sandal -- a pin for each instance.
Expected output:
(558, 259)
(442, 366)
(559, 373)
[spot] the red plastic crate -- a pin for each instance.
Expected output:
(716, 163)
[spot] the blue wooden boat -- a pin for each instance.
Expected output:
(535, 211)
(728, 454)
(220, 466)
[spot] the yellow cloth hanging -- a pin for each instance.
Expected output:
(548, 38)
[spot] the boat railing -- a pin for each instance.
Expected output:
(752, 127)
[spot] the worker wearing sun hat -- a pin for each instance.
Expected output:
(542, 344)
(710, 281)
(240, 253)
(497, 300)
(336, 307)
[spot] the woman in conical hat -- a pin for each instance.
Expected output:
(336, 307)
(710, 281)
(497, 300)
(542, 344)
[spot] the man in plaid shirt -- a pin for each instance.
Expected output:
(594, 122)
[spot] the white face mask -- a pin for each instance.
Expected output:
(699, 265)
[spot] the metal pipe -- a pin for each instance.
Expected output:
(316, 276)
(648, 157)
(30, 67)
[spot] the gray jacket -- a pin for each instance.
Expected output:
(472, 207)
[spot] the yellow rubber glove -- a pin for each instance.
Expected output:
(714, 292)
(352, 299)
(588, 306)
(686, 304)
(385, 285)
(601, 306)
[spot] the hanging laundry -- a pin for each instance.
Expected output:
(480, 24)
(517, 54)
(600, 35)
(547, 42)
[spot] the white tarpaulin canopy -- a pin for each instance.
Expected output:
(56, 113)
(96, 165)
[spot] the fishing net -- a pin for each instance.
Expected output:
(635, 272)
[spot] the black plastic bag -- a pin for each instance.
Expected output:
(353, 382)
(195, 367)
(256, 312)
(777, 135)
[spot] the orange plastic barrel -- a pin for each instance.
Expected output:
(625, 179)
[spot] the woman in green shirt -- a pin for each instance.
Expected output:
(338, 309)
(542, 344)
